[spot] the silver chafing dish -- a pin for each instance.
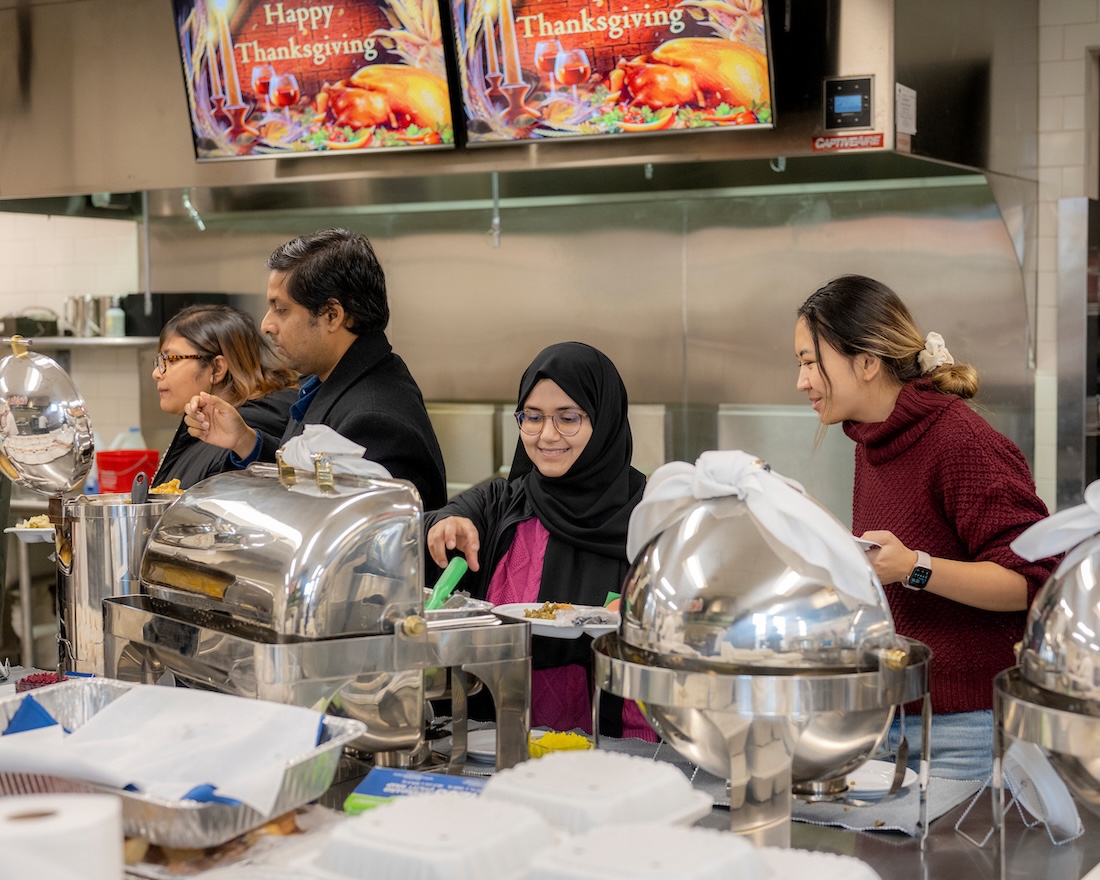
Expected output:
(46, 445)
(1052, 698)
(308, 589)
(46, 438)
(757, 673)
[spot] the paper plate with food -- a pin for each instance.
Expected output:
(33, 530)
(561, 620)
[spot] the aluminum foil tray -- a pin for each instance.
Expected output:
(181, 824)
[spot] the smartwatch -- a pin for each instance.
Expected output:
(921, 573)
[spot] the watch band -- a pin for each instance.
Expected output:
(921, 573)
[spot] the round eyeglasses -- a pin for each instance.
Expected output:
(565, 423)
(161, 361)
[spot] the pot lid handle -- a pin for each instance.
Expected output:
(19, 345)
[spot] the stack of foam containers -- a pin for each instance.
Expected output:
(575, 791)
(591, 815)
(652, 851)
(439, 836)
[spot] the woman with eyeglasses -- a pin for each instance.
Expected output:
(555, 529)
(217, 349)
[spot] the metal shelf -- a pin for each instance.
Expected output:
(63, 343)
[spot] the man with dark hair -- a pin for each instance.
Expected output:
(327, 313)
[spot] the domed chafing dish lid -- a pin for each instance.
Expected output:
(717, 590)
(46, 439)
(1060, 650)
(1061, 647)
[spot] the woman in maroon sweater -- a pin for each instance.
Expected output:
(939, 489)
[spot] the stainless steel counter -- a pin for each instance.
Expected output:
(947, 855)
(1028, 852)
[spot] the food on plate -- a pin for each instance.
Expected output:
(172, 487)
(547, 611)
(698, 71)
(387, 94)
(556, 741)
(595, 617)
(35, 680)
(41, 521)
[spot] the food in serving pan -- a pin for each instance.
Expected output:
(172, 487)
(539, 744)
(547, 611)
(179, 860)
(35, 680)
(41, 521)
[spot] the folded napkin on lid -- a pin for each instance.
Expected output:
(342, 455)
(1061, 531)
(799, 531)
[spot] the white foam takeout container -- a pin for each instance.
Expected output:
(577, 790)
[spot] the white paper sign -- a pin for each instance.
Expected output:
(905, 109)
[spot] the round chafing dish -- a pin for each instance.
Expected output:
(46, 439)
(772, 678)
(1052, 699)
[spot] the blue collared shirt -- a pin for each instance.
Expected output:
(306, 393)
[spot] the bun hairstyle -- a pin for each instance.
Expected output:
(858, 315)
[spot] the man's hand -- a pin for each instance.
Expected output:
(454, 533)
(212, 420)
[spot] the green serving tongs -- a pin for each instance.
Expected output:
(443, 588)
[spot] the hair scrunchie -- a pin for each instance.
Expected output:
(935, 354)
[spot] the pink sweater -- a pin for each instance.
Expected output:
(941, 479)
(560, 696)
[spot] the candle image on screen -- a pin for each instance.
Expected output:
(212, 66)
(493, 65)
(509, 45)
(229, 60)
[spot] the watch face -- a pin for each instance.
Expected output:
(918, 578)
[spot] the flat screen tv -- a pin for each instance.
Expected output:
(533, 69)
(267, 78)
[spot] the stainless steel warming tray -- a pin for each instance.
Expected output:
(297, 559)
(307, 589)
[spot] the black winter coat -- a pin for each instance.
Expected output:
(371, 399)
(191, 460)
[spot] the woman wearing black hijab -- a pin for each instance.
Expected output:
(555, 530)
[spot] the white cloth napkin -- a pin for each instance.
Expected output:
(1063, 530)
(800, 531)
(166, 741)
(344, 456)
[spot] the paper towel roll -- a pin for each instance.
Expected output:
(61, 836)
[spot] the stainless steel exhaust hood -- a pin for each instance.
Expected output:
(79, 119)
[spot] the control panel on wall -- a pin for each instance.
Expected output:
(848, 102)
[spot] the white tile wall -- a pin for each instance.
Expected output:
(1069, 34)
(44, 260)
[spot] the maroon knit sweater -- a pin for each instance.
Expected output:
(941, 479)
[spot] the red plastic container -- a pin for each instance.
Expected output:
(118, 467)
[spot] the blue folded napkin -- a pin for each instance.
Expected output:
(205, 794)
(29, 716)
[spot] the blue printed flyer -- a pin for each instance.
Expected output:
(382, 784)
